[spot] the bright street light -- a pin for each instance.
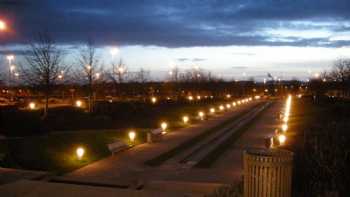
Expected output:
(185, 119)
(282, 139)
(3, 25)
(212, 110)
(32, 105)
(154, 99)
(284, 127)
(80, 152)
(114, 51)
(164, 126)
(132, 136)
(201, 115)
(78, 103)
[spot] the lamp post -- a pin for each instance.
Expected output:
(3, 25)
(10, 58)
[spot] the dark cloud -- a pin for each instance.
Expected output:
(173, 23)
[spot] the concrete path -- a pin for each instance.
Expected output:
(9, 175)
(129, 164)
(254, 137)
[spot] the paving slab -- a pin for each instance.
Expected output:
(27, 188)
(8, 175)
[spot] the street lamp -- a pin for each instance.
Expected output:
(154, 99)
(80, 152)
(284, 127)
(201, 115)
(78, 103)
(10, 58)
(164, 126)
(32, 105)
(3, 25)
(132, 136)
(114, 51)
(185, 119)
(212, 110)
(282, 139)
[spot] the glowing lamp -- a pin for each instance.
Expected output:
(154, 99)
(78, 103)
(80, 152)
(190, 98)
(212, 110)
(32, 105)
(201, 115)
(284, 127)
(221, 107)
(164, 126)
(185, 119)
(2, 25)
(132, 136)
(282, 139)
(228, 106)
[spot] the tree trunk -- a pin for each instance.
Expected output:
(46, 108)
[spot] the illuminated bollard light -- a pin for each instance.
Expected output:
(201, 115)
(78, 103)
(282, 139)
(32, 106)
(153, 100)
(132, 136)
(284, 127)
(185, 119)
(212, 110)
(80, 152)
(164, 127)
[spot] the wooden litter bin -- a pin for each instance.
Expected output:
(267, 173)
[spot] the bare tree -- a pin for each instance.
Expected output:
(89, 70)
(119, 72)
(174, 74)
(43, 65)
(142, 76)
(341, 73)
(341, 70)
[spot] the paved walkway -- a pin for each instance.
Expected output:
(254, 137)
(130, 164)
(8, 175)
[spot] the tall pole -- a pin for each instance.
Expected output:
(11, 68)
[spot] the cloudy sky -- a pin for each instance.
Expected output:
(232, 38)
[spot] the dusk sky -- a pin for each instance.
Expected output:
(231, 38)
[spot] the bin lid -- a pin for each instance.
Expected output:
(272, 152)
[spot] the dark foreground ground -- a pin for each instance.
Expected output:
(320, 139)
